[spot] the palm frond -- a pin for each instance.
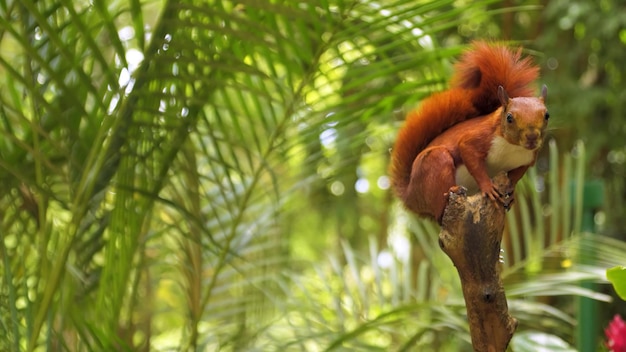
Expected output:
(165, 164)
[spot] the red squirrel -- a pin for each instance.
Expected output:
(488, 121)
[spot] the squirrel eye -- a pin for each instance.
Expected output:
(509, 117)
(546, 116)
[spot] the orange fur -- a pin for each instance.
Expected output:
(422, 172)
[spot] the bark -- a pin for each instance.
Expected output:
(471, 236)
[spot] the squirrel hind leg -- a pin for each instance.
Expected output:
(432, 176)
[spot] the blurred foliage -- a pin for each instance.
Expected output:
(617, 276)
(583, 56)
(211, 175)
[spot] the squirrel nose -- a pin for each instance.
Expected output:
(532, 136)
(532, 139)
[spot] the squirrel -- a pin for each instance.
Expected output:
(487, 122)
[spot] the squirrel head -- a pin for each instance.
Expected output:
(524, 119)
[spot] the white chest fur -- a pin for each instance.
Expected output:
(502, 156)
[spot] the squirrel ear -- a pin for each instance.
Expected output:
(503, 96)
(544, 92)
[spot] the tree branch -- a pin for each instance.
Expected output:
(471, 236)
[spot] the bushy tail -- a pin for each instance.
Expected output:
(473, 92)
(485, 67)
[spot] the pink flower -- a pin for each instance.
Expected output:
(616, 335)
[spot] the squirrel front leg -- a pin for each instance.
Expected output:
(514, 176)
(474, 160)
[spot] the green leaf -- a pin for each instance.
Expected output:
(617, 276)
(534, 341)
(165, 163)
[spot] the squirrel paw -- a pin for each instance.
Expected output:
(507, 200)
(460, 190)
(492, 193)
